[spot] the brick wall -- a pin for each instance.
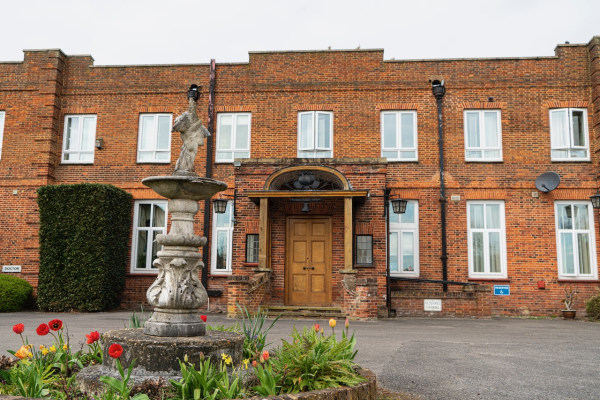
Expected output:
(356, 86)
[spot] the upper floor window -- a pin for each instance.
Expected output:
(154, 138)
(483, 135)
(575, 240)
(569, 134)
(78, 139)
(315, 134)
(2, 113)
(404, 241)
(149, 220)
(399, 135)
(222, 235)
(233, 136)
(487, 239)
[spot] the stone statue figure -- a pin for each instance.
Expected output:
(192, 133)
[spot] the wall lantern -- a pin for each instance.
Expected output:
(595, 200)
(399, 206)
(220, 206)
(99, 143)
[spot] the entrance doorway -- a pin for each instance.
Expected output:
(308, 261)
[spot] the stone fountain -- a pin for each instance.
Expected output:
(174, 330)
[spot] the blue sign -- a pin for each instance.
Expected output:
(501, 290)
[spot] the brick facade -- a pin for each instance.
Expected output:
(37, 93)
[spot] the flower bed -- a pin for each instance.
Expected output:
(311, 365)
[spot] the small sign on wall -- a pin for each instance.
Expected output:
(11, 268)
(501, 290)
(432, 305)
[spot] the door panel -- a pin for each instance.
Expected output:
(308, 261)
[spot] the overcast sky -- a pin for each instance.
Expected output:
(118, 32)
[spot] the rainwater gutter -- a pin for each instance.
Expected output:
(438, 89)
(208, 174)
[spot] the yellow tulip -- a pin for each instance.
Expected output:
(332, 323)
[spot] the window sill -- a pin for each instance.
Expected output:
(153, 162)
(575, 160)
(139, 273)
(76, 163)
(364, 265)
(402, 161)
(488, 279)
(404, 276)
(250, 264)
(577, 280)
(484, 161)
(220, 274)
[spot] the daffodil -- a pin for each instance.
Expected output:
(44, 351)
(246, 361)
(52, 349)
(65, 347)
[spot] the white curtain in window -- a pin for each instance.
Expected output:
(491, 129)
(559, 128)
(306, 132)
(473, 129)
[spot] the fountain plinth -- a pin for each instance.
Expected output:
(177, 293)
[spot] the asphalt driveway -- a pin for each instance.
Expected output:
(432, 358)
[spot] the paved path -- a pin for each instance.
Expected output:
(434, 358)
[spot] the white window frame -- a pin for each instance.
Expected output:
(229, 230)
(317, 152)
(569, 147)
(2, 119)
(234, 146)
(482, 147)
(399, 148)
(80, 150)
(486, 231)
(398, 228)
(592, 240)
(154, 149)
(149, 268)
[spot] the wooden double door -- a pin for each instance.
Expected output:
(308, 261)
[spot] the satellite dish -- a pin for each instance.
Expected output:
(547, 182)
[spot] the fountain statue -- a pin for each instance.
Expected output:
(175, 330)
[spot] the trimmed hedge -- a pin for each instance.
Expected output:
(592, 308)
(16, 293)
(84, 236)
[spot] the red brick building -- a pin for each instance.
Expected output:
(313, 146)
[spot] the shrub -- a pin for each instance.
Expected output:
(84, 236)
(313, 361)
(16, 293)
(592, 307)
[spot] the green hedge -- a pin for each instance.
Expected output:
(592, 308)
(84, 236)
(16, 293)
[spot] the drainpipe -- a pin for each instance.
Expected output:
(438, 89)
(388, 288)
(208, 173)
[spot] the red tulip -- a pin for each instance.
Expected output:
(265, 355)
(18, 328)
(92, 337)
(254, 363)
(43, 330)
(317, 327)
(203, 318)
(55, 324)
(115, 350)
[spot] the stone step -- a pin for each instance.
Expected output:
(305, 312)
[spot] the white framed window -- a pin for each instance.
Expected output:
(222, 235)
(233, 136)
(315, 134)
(399, 135)
(149, 220)
(78, 139)
(404, 241)
(2, 114)
(487, 239)
(483, 135)
(575, 241)
(154, 138)
(569, 134)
